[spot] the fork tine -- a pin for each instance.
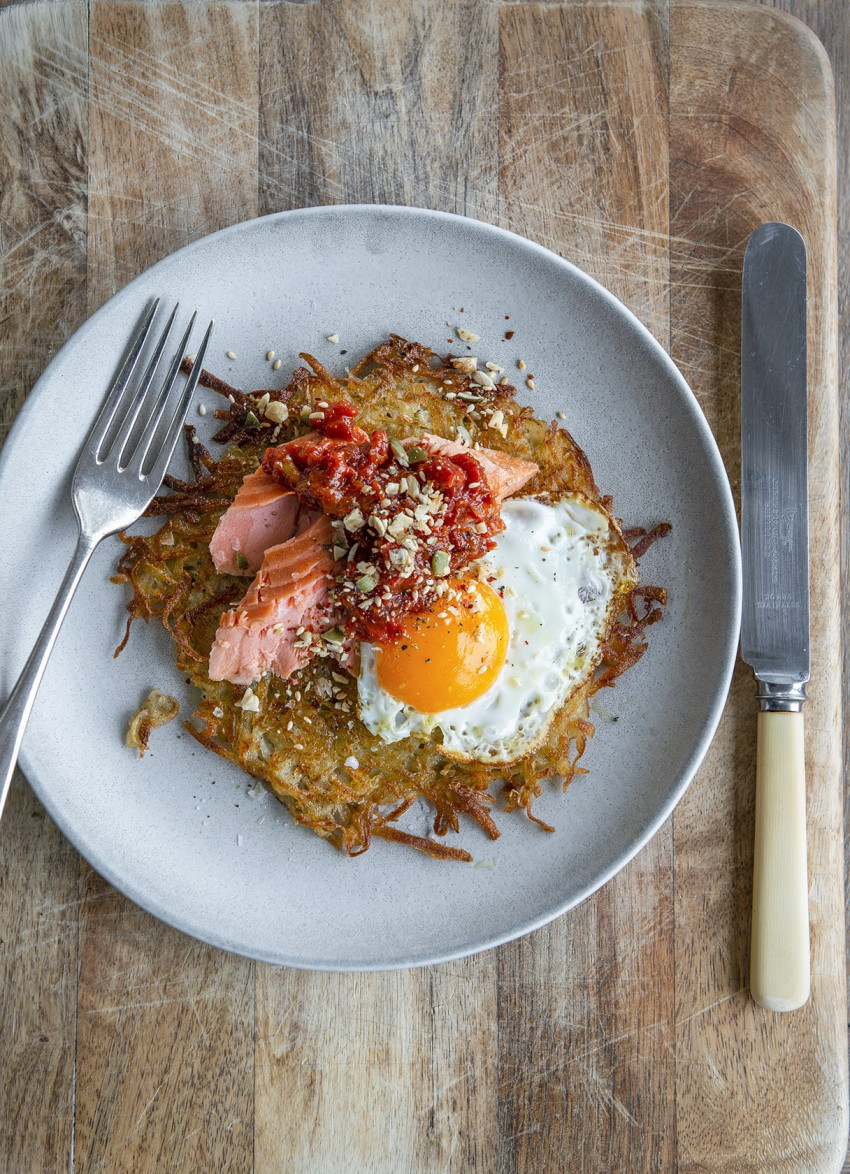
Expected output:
(140, 452)
(107, 413)
(157, 471)
(125, 432)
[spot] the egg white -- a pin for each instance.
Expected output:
(557, 567)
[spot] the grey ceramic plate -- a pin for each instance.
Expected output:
(178, 832)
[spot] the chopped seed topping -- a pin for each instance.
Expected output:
(354, 521)
(277, 412)
(351, 763)
(466, 335)
(483, 380)
(440, 563)
(250, 701)
(333, 338)
(400, 453)
(466, 365)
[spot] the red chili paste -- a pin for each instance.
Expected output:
(404, 519)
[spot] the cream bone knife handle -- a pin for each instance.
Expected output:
(779, 949)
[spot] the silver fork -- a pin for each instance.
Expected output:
(119, 471)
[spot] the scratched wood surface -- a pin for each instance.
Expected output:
(643, 142)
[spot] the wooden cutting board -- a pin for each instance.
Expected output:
(644, 143)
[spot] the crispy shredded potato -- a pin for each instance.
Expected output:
(307, 728)
(157, 709)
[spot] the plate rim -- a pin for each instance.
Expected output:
(728, 647)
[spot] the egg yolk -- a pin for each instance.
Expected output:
(449, 656)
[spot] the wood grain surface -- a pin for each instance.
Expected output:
(644, 141)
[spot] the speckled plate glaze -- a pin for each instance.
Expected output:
(178, 831)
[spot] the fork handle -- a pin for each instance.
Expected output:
(15, 713)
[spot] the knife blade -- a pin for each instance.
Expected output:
(775, 621)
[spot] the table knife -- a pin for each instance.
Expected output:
(775, 623)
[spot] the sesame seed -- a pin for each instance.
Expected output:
(202, 411)
(561, 415)
(521, 364)
(298, 745)
(530, 384)
(276, 365)
(231, 355)
(269, 355)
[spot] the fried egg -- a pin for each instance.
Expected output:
(502, 653)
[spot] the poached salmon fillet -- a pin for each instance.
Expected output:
(289, 592)
(262, 514)
(505, 474)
